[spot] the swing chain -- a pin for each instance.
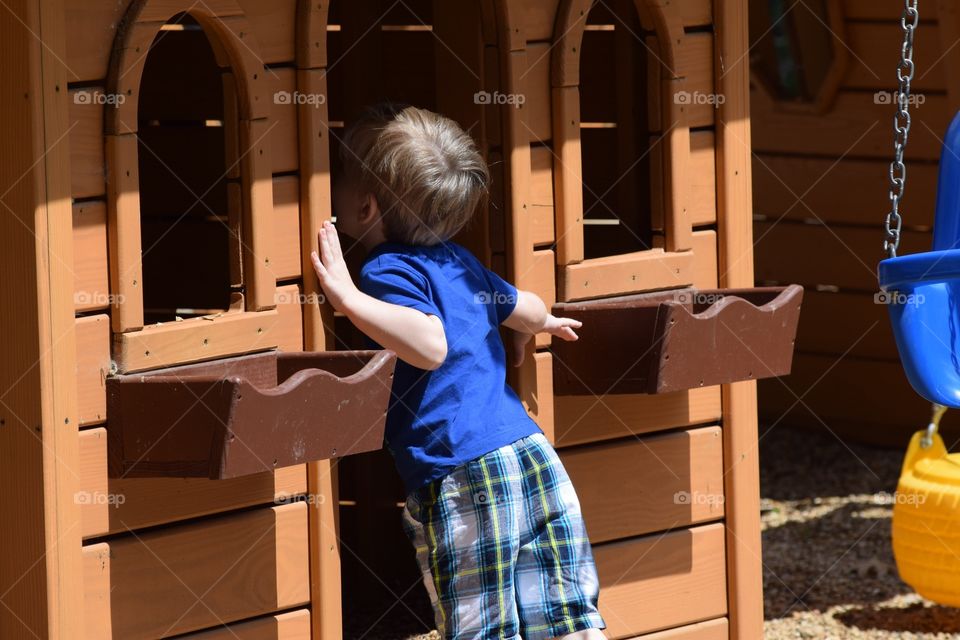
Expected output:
(901, 127)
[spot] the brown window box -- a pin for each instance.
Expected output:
(674, 340)
(247, 414)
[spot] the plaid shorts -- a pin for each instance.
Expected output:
(503, 547)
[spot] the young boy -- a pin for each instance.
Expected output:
(491, 512)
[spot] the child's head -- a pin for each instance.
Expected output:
(419, 170)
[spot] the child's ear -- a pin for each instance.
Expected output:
(369, 208)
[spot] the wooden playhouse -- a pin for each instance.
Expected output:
(165, 165)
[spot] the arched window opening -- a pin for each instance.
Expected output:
(189, 226)
(614, 131)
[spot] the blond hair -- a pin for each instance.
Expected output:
(424, 170)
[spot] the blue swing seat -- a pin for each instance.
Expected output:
(924, 292)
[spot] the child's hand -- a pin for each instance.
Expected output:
(561, 327)
(332, 270)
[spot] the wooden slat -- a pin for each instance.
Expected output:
(286, 230)
(199, 574)
(86, 143)
(582, 419)
(539, 399)
(852, 191)
(283, 114)
(93, 27)
(663, 482)
(535, 86)
(662, 581)
(123, 226)
(852, 323)
(39, 565)
(257, 214)
(825, 384)
(696, 13)
(848, 256)
(856, 126)
(702, 203)
(541, 281)
(705, 259)
(91, 275)
(869, 63)
(695, 64)
(537, 18)
(93, 366)
(541, 195)
(110, 506)
(290, 305)
(293, 625)
(196, 339)
(626, 273)
(716, 629)
(568, 179)
(274, 25)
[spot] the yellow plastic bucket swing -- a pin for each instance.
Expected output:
(926, 517)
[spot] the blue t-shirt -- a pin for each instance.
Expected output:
(439, 419)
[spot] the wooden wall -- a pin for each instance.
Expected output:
(165, 557)
(820, 198)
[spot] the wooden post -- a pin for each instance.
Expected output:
(739, 400)
(40, 569)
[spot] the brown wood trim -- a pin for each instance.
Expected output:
(625, 273)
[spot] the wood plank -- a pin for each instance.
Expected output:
(855, 126)
(196, 339)
(626, 273)
(568, 179)
(199, 574)
(541, 195)
(870, 63)
(286, 230)
(663, 482)
(542, 282)
(848, 256)
(705, 259)
(662, 581)
(110, 506)
(123, 227)
(716, 629)
(290, 305)
(91, 275)
(93, 366)
(274, 25)
(293, 625)
(852, 191)
(284, 94)
(257, 213)
(695, 64)
(702, 203)
(535, 87)
(583, 419)
(93, 29)
(741, 472)
(39, 410)
(538, 379)
(841, 322)
(537, 18)
(816, 395)
(696, 13)
(87, 162)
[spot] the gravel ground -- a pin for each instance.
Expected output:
(829, 571)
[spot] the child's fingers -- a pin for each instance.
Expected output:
(318, 265)
(325, 251)
(334, 240)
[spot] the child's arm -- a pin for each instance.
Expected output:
(415, 336)
(530, 317)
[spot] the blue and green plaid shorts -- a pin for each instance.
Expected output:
(503, 547)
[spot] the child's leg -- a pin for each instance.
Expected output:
(464, 529)
(557, 584)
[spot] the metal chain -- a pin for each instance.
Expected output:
(901, 128)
